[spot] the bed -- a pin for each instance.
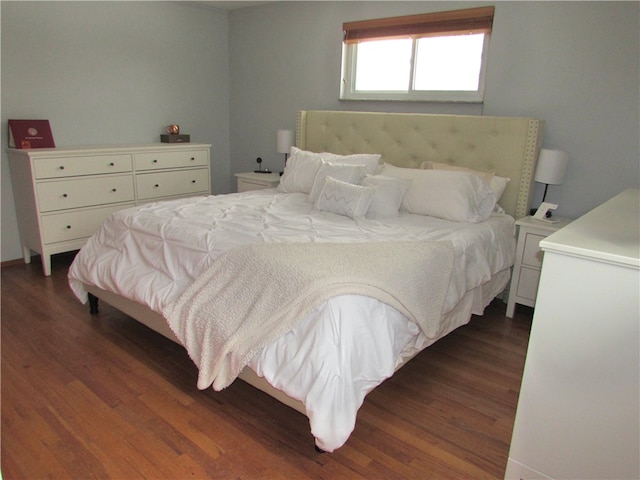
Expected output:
(334, 280)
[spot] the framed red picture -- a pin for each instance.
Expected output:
(30, 134)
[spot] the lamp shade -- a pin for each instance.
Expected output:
(552, 166)
(284, 141)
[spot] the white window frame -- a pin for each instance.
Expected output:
(348, 80)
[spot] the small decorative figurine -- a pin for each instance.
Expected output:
(173, 129)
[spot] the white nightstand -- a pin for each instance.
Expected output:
(526, 270)
(257, 181)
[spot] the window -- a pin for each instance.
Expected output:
(431, 57)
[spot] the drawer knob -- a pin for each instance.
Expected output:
(154, 161)
(193, 181)
(193, 158)
(61, 167)
(156, 185)
(68, 227)
(112, 164)
(114, 189)
(64, 195)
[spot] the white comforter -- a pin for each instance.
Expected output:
(349, 344)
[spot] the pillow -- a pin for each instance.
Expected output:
(387, 195)
(370, 160)
(497, 184)
(299, 172)
(340, 171)
(302, 166)
(451, 195)
(344, 198)
(486, 176)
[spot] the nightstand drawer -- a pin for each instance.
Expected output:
(175, 183)
(85, 192)
(161, 160)
(62, 227)
(76, 166)
(528, 283)
(532, 254)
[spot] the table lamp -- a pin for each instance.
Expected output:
(284, 143)
(551, 168)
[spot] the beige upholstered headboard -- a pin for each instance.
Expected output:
(506, 146)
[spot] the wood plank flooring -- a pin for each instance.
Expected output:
(104, 397)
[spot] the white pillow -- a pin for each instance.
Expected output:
(497, 184)
(344, 198)
(452, 195)
(300, 171)
(370, 160)
(387, 195)
(340, 171)
(302, 166)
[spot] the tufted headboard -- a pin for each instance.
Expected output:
(506, 146)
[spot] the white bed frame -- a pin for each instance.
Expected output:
(507, 146)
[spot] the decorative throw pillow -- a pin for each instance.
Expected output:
(340, 171)
(387, 195)
(452, 195)
(344, 198)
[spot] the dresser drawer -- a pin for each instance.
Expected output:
(161, 160)
(528, 283)
(176, 183)
(532, 254)
(85, 192)
(62, 227)
(76, 166)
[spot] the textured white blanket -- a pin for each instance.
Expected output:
(253, 294)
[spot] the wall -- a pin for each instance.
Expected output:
(114, 72)
(119, 71)
(573, 64)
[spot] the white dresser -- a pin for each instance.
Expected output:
(578, 412)
(63, 195)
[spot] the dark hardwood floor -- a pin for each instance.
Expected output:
(104, 397)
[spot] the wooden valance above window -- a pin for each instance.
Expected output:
(456, 22)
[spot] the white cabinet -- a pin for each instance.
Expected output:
(578, 413)
(63, 195)
(526, 270)
(257, 181)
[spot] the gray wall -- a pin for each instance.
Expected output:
(113, 72)
(573, 64)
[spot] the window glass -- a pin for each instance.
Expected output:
(449, 63)
(383, 65)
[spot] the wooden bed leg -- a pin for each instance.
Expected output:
(93, 304)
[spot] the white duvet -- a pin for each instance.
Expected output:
(349, 344)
